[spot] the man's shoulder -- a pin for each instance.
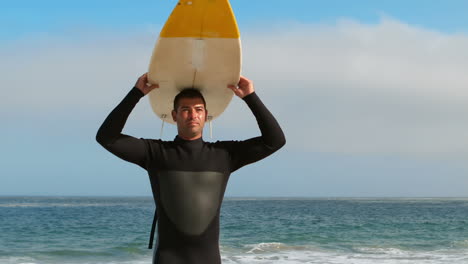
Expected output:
(152, 141)
(223, 143)
(233, 141)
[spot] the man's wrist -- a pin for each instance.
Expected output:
(138, 91)
(249, 96)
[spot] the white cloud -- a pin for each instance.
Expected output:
(349, 87)
(83, 70)
(354, 88)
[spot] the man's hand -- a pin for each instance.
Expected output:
(244, 87)
(143, 85)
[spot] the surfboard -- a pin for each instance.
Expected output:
(199, 47)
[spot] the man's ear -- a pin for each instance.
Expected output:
(206, 115)
(174, 115)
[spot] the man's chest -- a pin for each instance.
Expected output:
(197, 159)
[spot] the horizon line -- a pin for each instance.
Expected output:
(240, 197)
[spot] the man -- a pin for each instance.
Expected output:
(188, 175)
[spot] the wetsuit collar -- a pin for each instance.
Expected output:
(183, 141)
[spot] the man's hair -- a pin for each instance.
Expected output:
(188, 93)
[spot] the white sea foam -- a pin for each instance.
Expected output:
(17, 260)
(27, 260)
(266, 247)
(278, 253)
(62, 205)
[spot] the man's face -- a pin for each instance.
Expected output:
(190, 117)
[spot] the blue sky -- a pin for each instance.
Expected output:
(371, 94)
(20, 18)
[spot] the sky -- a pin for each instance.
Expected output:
(372, 96)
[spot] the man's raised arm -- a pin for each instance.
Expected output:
(109, 134)
(272, 137)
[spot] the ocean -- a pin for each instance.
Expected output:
(105, 230)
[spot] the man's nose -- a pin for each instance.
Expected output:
(192, 114)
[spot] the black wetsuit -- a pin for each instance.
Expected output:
(188, 178)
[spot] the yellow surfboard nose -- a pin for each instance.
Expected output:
(190, 19)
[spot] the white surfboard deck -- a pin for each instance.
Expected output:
(199, 47)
